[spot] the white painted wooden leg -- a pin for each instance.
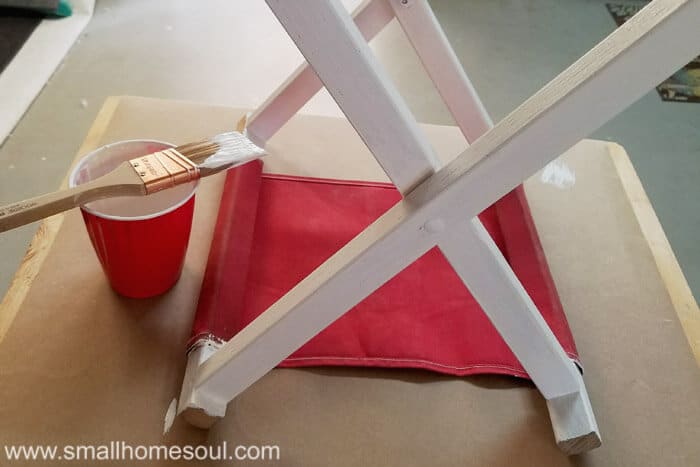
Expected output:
(483, 269)
(370, 17)
(197, 410)
(373, 257)
(574, 424)
(479, 263)
(442, 65)
(326, 35)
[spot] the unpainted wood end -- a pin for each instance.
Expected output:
(199, 418)
(580, 444)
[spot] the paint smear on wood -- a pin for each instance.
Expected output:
(559, 174)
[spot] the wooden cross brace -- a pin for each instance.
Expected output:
(440, 204)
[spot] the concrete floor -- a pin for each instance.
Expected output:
(235, 53)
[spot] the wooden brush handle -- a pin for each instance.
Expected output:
(123, 181)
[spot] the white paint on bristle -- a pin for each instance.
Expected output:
(234, 149)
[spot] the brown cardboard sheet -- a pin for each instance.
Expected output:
(80, 365)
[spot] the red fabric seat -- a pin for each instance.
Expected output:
(423, 318)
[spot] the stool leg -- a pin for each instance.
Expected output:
(479, 263)
(577, 102)
(370, 17)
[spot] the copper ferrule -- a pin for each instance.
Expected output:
(164, 169)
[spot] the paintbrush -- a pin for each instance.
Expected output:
(140, 176)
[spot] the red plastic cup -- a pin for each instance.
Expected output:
(140, 241)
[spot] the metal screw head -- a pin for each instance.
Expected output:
(143, 174)
(136, 164)
(405, 2)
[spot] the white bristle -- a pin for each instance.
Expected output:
(234, 149)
